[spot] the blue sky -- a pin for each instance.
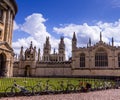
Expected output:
(37, 19)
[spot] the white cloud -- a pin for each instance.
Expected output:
(68, 47)
(110, 29)
(34, 25)
(15, 26)
(84, 31)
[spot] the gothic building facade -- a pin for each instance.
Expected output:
(31, 63)
(8, 10)
(101, 59)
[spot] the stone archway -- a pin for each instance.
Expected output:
(3, 64)
(27, 71)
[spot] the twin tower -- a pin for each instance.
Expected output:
(31, 54)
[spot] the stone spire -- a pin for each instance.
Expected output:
(47, 40)
(61, 50)
(47, 46)
(21, 53)
(74, 37)
(112, 41)
(46, 50)
(100, 36)
(34, 53)
(62, 45)
(74, 41)
(31, 45)
(89, 42)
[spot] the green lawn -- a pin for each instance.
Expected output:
(6, 82)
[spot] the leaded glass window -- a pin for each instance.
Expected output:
(101, 58)
(82, 60)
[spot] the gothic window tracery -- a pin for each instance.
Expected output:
(82, 60)
(101, 58)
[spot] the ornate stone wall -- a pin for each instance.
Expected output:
(8, 10)
(101, 59)
(106, 63)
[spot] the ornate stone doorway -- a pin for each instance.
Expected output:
(3, 64)
(27, 71)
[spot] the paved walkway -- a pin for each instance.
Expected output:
(112, 94)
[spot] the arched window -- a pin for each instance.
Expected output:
(119, 59)
(82, 60)
(101, 58)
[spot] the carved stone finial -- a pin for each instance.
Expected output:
(31, 46)
(112, 41)
(74, 37)
(100, 36)
(89, 41)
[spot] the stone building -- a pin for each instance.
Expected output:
(101, 59)
(31, 63)
(8, 10)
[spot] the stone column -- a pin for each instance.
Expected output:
(4, 16)
(7, 70)
(10, 25)
(11, 66)
(11, 29)
(7, 26)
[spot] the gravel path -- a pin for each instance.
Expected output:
(112, 94)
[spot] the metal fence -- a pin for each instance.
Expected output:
(96, 83)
